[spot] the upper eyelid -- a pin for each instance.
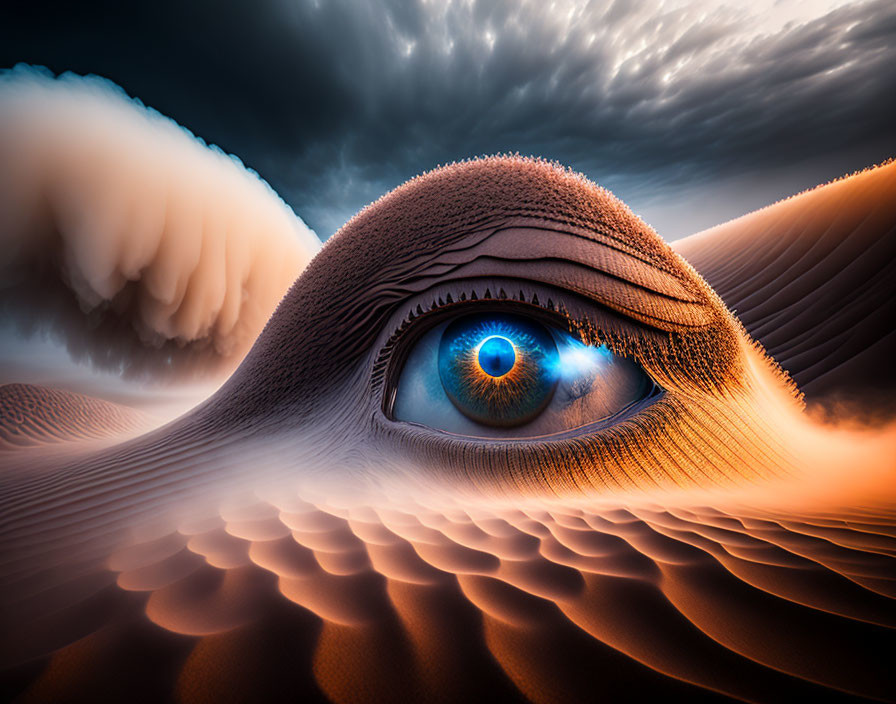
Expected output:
(646, 286)
(515, 243)
(644, 306)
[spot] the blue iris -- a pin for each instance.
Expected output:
(496, 369)
(497, 356)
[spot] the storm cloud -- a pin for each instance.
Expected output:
(136, 246)
(669, 104)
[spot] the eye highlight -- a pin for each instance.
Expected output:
(498, 370)
(509, 375)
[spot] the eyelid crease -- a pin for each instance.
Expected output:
(647, 289)
(641, 305)
(519, 236)
(472, 234)
(538, 243)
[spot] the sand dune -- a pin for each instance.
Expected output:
(33, 415)
(812, 279)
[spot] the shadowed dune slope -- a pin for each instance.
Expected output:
(33, 415)
(812, 278)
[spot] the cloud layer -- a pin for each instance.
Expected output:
(130, 241)
(336, 102)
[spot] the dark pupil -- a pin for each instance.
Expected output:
(496, 356)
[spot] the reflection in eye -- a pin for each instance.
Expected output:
(507, 375)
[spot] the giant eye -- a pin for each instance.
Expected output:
(509, 375)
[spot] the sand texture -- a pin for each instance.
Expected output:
(812, 279)
(32, 415)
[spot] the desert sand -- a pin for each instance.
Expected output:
(38, 415)
(811, 278)
(768, 588)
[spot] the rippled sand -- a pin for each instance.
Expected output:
(553, 604)
(32, 415)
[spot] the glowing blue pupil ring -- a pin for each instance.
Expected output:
(496, 356)
(498, 369)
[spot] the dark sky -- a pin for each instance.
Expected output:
(691, 112)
